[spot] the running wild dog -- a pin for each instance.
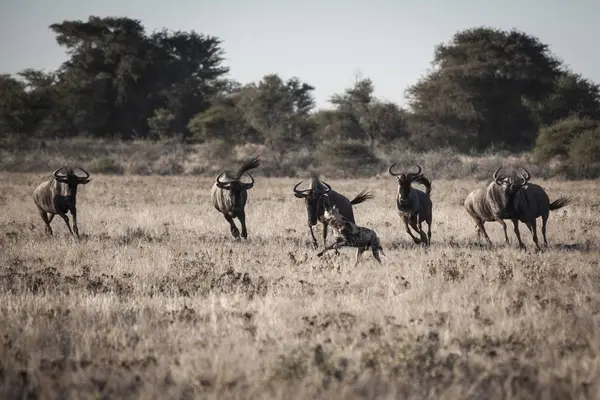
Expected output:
(349, 234)
(59, 196)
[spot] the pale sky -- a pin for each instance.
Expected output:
(324, 43)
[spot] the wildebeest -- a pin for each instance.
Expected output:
(229, 195)
(414, 206)
(313, 197)
(529, 201)
(490, 204)
(59, 196)
(349, 234)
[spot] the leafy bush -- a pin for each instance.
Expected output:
(555, 140)
(106, 165)
(353, 158)
(576, 142)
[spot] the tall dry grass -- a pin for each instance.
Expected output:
(157, 301)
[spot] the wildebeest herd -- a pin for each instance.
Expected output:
(505, 198)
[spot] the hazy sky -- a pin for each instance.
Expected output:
(324, 43)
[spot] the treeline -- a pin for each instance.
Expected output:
(488, 89)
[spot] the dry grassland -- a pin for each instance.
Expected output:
(157, 301)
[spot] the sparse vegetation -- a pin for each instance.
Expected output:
(156, 300)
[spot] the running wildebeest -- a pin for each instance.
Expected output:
(59, 196)
(529, 201)
(229, 195)
(414, 206)
(490, 204)
(349, 234)
(313, 197)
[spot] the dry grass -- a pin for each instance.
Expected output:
(157, 301)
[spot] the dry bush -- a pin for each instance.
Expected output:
(176, 157)
(157, 300)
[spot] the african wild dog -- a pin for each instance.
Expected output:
(349, 234)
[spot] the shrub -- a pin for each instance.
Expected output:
(555, 140)
(351, 157)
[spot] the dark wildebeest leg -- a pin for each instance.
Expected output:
(46, 220)
(66, 218)
(428, 230)
(405, 219)
(518, 234)
(333, 246)
(422, 232)
(324, 235)
(315, 244)
(75, 228)
(544, 223)
(533, 228)
(359, 251)
(234, 230)
(242, 217)
(375, 251)
(414, 224)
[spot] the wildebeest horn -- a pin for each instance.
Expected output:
(221, 184)
(497, 178)
(414, 175)
(87, 175)
(300, 193)
(390, 170)
(248, 186)
(526, 179)
(55, 173)
(328, 188)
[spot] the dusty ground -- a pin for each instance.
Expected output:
(157, 301)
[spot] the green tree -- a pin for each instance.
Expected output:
(279, 111)
(361, 115)
(476, 93)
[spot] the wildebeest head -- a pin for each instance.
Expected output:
(404, 183)
(67, 176)
(313, 198)
(515, 184)
(504, 182)
(234, 184)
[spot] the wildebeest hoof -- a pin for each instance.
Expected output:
(320, 254)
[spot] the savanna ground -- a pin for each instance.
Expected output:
(158, 301)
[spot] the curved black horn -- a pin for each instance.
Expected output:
(220, 183)
(87, 174)
(55, 173)
(300, 192)
(390, 170)
(495, 176)
(251, 184)
(418, 172)
(528, 174)
(415, 175)
(328, 188)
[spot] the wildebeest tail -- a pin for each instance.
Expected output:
(425, 182)
(248, 165)
(362, 196)
(560, 203)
